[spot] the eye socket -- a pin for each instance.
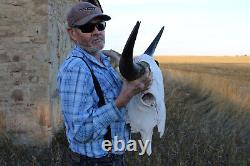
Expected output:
(148, 99)
(144, 65)
(157, 62)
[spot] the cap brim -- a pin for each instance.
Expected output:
(85, 20)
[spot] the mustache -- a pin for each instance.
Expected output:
(98, 36)
(98, 39)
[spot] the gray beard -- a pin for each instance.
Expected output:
(93, 51)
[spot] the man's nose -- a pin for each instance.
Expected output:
(96, 30)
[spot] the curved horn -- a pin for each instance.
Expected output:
(128, 69)
(151, 48)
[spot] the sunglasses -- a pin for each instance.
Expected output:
(90, 27)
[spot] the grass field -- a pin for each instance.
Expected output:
(208, 118)
(203, 59)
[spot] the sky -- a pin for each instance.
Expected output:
(192, 27)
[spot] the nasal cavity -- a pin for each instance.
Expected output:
(148, 99)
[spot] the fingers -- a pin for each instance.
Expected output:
(145, 76)
(139, 85)
(145, 81)
(111, 53)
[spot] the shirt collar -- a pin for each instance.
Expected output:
(80, 52)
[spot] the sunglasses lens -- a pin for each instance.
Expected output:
(101, 26)
(87, 28)
(90, 27)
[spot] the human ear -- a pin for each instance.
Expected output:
(72, 34)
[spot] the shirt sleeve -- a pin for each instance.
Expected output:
(83, 119)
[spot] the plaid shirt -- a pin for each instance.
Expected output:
(86, 124)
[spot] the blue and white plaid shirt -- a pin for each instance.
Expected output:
(86, 124)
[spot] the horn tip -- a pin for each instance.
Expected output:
(138, 23)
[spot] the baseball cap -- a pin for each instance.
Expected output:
(83, 12)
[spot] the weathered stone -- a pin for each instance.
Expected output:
(43, 114)
(4, 57)
(24, 128)
(5, 31)
(33, 43)
(16, 67)
(34, 79)
(22, 39)
(16, 58)
(17, 3)
(17, 95)
(2, 120)
(36, 92)
(17, 78)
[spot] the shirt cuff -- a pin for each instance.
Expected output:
(108, 114)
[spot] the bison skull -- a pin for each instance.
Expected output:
(147, 109)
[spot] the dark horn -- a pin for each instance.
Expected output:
(151, 48)
(128, 69)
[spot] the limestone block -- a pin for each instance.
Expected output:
(33, 43)
(6, 31)
(2, 120)
(23, 129)
(4, 57)
(23, 39)
(17, 95)
(16, 67)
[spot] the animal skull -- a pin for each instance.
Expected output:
(147, 109)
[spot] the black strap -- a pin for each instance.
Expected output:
(99, 92)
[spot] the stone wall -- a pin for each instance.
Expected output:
(59, 44)
(33, 42)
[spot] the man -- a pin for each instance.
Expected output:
(93, 114)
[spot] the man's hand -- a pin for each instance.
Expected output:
(114, 57)
(131, 88)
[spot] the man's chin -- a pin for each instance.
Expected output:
(98, 43)
(94, 50)
(98, 46)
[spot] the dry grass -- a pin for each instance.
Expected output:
(208, 121)
(21, 155)
(228, 81)
(203, 59)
